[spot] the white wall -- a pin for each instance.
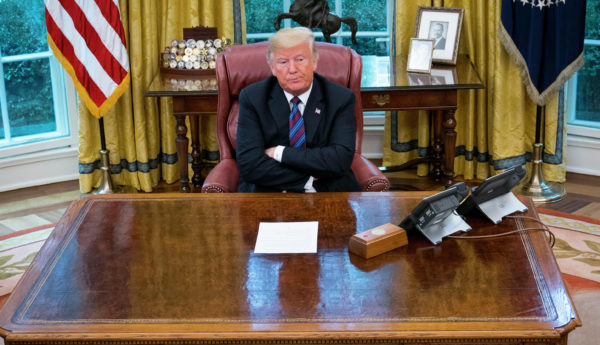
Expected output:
(38, 168)
(583, 154)
(373, 142)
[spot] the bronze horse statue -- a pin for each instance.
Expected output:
(315, 14)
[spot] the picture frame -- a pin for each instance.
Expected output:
(443, 76)
(418, 79)
(419, 55)
(443, 25)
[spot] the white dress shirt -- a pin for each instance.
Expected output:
(278, 154)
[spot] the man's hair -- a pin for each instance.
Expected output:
(291, 37)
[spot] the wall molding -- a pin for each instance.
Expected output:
(583, 155)
(39, 168)
(372, 146)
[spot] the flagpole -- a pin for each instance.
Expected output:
(106, 185)
(526, 32)
(537, 188)
(95, 31)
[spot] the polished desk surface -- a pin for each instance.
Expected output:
(379, 73)
(175, 267)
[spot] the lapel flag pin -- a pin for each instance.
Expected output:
(317, 111)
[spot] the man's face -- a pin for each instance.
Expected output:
(294, 68)
(436, 31)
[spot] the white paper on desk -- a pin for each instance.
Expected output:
(287, 237)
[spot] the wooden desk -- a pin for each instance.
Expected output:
(385, 86)
(143, 269)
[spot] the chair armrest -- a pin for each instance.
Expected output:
(223, 178)
(368, 175)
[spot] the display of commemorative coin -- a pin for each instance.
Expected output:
(190, 54)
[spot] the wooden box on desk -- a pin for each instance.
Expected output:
(378, 240)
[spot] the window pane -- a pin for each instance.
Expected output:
(588, 88)
(370, 15)
(22, 27)
(260, 15)
(29, 97)
(254, 40)
(592, 29)
(378, 46)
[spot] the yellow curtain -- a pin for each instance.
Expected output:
(496, 125)
(139, 135)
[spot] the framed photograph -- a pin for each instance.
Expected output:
(442, 25)
(443, 76)
(418, 79)
(419, 55)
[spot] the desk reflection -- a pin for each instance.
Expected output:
(386, 71)
(179, 84)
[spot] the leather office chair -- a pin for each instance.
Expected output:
(241, 65)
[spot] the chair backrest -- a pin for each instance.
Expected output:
(241, 65)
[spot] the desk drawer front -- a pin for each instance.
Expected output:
(408, 100)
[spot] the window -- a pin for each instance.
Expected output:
(373, 17)
(33, 92)
(374, 37)
(583, 89)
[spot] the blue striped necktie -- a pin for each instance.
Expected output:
(297, 138)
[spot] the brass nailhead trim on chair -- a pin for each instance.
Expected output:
(213, 189)
(385, 183)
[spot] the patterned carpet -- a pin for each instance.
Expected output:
(17, 250)
(577, 250)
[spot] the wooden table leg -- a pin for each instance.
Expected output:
(197, 179)
(449, 145)
(182, 150)
(437, 145)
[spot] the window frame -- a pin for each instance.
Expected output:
(574, 126)
(65, 111)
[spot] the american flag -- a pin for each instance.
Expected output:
(88, 39)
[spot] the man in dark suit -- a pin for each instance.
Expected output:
(437, 33)
(296, 130)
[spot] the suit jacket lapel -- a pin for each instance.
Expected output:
(280, 110)
(313, 112)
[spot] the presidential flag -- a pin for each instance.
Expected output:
(545, 37)
(88, 39)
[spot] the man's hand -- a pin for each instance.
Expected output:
(270, 151)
